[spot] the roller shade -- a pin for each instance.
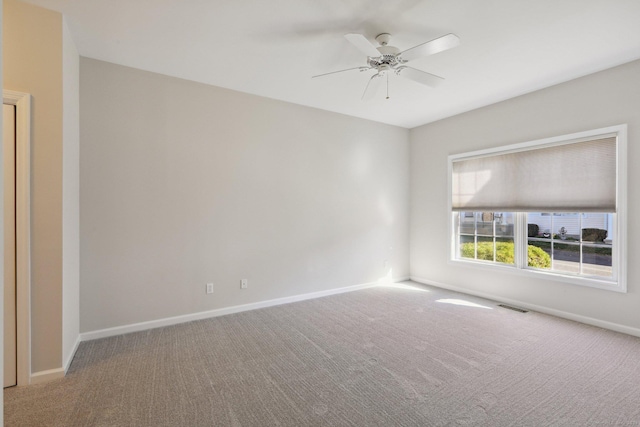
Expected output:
(575, 177)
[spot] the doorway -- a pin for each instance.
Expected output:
(16, 110)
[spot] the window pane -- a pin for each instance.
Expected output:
(467, 223)
(581, 242)
(467, 247)
(539, 253)
(504, 224)
(486, 236)
(484, 223)
(566, 226)
(596, 226)
(485, 249)
(505, 251)
(566, 257)
(596, 260)
(539, 225)
(569, 243)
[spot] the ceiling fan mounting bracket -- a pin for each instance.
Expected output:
(383, 39)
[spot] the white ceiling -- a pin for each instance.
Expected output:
(272, 48)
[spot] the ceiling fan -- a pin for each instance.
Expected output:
(386, 59)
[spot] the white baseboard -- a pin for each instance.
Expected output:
(53, 374)
(142, 326)
(551, 311)
(46, 376)
(67, 362)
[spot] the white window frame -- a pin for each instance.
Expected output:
(619, 245)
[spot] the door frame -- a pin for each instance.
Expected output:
(22, 102)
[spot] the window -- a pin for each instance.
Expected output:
(553, 208)
(486, 236)
(576, 243)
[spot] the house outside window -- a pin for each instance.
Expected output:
(553, 208)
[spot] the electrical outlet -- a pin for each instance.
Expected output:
(209, 288)
(244, 283)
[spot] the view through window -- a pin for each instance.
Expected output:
(573, 243)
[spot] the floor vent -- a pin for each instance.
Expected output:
(510, 307)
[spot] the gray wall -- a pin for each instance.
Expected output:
(70, 196)
(603, 99)
(184, 184)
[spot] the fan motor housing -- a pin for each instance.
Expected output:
(388, 54)
(389, 57)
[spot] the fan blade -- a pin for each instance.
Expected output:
(342, 71)
(431, 47)
(363, 45)
(420, 76)
(373, 87)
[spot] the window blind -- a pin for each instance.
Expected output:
(575, 177)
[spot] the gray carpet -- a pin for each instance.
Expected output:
(379, 357)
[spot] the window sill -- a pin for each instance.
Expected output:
(597, 283)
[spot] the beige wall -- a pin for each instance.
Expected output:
(1, 237)
(184, 184)
(603, 99)
(32, 63)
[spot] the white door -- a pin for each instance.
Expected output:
(9, 156)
